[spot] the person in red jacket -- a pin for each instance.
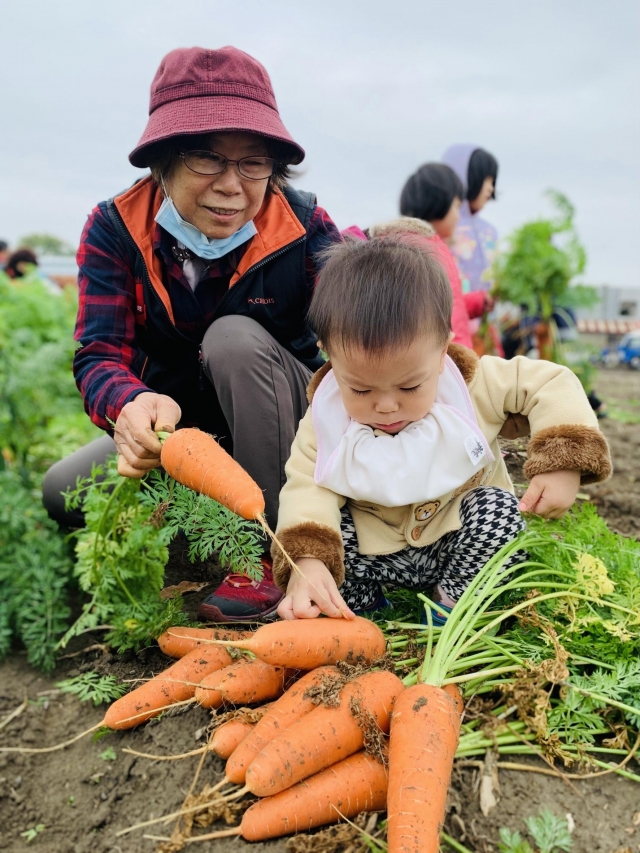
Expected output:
(434, 194)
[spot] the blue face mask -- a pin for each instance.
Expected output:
(208, 248)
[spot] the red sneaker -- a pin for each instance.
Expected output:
(239, 599)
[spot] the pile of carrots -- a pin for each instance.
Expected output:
(328, 745)
(371, 744)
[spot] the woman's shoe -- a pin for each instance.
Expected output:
(240, 599)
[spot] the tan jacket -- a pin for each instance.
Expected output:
(510, 398)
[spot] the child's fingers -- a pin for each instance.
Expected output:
(302, 606)
(549, 509)
(285, 608)
(531, 497)
(340, 603)
(291, 608)
(327, 605)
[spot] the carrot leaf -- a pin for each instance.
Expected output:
(92, 687)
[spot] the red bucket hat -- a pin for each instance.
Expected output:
(196, 90)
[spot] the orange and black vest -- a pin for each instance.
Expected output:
(270, 286)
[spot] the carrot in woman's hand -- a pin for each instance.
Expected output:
(309, 643)
(425, 728)
(242, 683)
(175, 684)
(285, 711)
(325, 735)
(176, 642)
(196, 460)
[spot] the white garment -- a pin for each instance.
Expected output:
(428, 459)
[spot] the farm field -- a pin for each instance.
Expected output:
(83, 795)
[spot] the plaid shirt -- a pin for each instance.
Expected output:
(105, 364)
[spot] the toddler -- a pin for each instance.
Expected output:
(395, 477)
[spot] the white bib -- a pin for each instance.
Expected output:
(428, 459)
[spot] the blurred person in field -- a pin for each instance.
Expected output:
(20, 263)
(4, 253)
(474, 239)
(435, 194)
(23, 264)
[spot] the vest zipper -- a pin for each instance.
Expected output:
(256, 267)
(129, 239)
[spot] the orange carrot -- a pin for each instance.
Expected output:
(425, 728)
(176, 642)
(356, 784)
(309, 643)
(290, 707)
(454, 691)
(230, 734)
(175, 684)
(196, 460)
(325, 735)
(241, 683)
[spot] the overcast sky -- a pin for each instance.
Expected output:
(370, 89)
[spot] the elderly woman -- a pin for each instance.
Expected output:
(194, 286)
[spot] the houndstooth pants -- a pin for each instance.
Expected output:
(490, 518)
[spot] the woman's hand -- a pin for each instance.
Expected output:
(551, 495)
(135, 432)
(313, 592)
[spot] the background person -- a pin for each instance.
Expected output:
(434, 193)
(474, 239)
(20, 262)
(194, 286)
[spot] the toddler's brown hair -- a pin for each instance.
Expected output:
(379, 295)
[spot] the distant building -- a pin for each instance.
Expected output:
(617, 312)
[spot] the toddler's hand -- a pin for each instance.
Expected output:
(550, 495)
(311, 593)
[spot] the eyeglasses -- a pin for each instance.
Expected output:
(212, 163)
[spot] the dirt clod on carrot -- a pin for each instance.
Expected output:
(419, 703)
(335, 839)
(350, 670)
(327, 692)
(375, 741)
(247, 715)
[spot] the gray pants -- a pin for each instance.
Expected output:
(261, 389)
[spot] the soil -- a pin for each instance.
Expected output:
(82, 796)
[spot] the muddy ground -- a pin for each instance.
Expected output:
(82, 796)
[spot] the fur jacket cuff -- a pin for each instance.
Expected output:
(308, 540)
(570, 447)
